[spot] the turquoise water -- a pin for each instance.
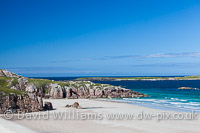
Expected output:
(163, 95)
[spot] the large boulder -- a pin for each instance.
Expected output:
(22, 83)
(48, 106)
(74, 105)
(92, 92)
(31, 88)
(99, 93)
(55, 91)
(17, 103)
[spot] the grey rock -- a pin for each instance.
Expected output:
(6, 73)
(22, 83)
(31, 88)
(56, 91)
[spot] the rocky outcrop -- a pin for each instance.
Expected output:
(31, 88)
(187, 88)
(84, 90)
(7, 73)
(71, 89)
(22, 83)
(56, 91)
(18, 83)
(16, 103)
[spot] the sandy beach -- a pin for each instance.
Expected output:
(105, 125)
(11, 127)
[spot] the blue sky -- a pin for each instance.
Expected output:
(100, 38)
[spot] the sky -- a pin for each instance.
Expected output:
(100, 37)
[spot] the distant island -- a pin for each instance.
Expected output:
(196, 77)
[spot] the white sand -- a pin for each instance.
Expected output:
(11, 127)
(108, 126)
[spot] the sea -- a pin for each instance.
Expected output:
(163, 95)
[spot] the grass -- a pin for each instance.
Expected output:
(41, 84)
(9, 91)
(189, 77)
(4, 81)
(62, 84)
(4, 86)
(14, 82)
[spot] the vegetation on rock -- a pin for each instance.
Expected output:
(13, 83)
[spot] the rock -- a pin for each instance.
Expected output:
(46, 96)
(187, 88)
(1, 73)
(48, 106)
(75, 105)
(100, 92)
(55, 91)
(18, 83)
(70, 89)
(14, 88)
(22, 83)
(40, 103)
(68, 106)
(6, 73)
(31, 88)
(92, 92)
(68, 92)
(16, 103)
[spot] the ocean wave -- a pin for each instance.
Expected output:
(171, 103)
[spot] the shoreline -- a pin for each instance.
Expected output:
(99, 106)
(152, 106)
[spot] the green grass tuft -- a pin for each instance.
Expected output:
(8, 91)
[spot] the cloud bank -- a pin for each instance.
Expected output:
(157, 55)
